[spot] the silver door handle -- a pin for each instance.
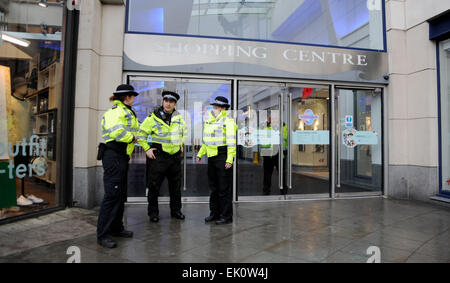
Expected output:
(289, 141)
(338, 144)
(184, 146)
(280, 148)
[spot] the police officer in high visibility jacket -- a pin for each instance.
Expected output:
(219, 144)
(167, 129)
(119, 127)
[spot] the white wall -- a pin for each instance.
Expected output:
(412, 92)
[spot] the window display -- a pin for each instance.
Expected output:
(30, 95)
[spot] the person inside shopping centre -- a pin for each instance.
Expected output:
(270, 154)
(167, 129)
(119, 127)
(219, 144)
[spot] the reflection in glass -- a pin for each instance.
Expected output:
(347, 23)
(310, 139)
(258, 139)
(194, 104)
(360, 141)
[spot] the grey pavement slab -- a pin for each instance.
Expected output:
(269, 232)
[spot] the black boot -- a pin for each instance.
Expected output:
(211, 218)
(123, 234)
(154, 218)
(178, 215)
(222, 221)
(107, 242)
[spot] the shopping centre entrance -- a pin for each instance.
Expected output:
(296, 140)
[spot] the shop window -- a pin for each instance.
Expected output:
(30, 98)
(444, 63)
(346, 23)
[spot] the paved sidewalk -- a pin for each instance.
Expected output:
(305, 231)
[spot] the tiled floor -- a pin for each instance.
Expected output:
(305, 231)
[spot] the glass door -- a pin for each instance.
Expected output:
(194, 103)
(198, 94)
(307, 133)
(359, 142)
(259, 158)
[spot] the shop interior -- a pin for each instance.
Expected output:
(30, 95)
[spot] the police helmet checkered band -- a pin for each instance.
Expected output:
(122, 91)
(219, 102)
(169, 96)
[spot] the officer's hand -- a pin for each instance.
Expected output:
(150, 154)
(199, 160)
(135, 139)
(228, 165)
(182, 148)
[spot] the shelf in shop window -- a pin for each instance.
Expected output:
(45, 180)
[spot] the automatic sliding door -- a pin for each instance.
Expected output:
(198, 96)
(259, 123)
(359, 141)
(308, 117)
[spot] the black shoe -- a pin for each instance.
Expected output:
(154, 218)
(211, 218)
(123, 234)
(178, 215)
(222, 221)
(107, 243)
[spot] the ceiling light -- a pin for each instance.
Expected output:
(42, 3)
(15, 40)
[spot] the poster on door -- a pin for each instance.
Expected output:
(351, 138)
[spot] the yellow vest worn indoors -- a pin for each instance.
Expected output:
(121, 125)
(285, 139)
(171, 138)
(219, 131)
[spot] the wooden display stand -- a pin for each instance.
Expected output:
(44, 102)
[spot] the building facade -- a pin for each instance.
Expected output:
(277, 61)
(332, 98)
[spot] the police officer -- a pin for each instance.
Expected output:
(219, 144)
(119, 127)
(167, 129)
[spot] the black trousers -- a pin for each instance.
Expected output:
(269, 162)
(220, 184)
(115, 179)
(164, 166)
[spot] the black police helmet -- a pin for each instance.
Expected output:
(125, 90)
(221, 101)
(171, 95)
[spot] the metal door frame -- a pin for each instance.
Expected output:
(291, 82)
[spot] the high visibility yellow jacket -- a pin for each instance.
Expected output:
(170, 137)
(120, 124)
(219, 131)
(285, 137)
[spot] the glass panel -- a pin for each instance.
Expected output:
(30, 101)
(149, 98)
(348, 23)
(359, 141)
(444, 56)
(310, 140)
(197, 105)
(258, 139)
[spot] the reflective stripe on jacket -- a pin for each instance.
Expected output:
(170, 137)
(121, 125)
(219, 131)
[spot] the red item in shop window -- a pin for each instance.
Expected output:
(307, 92)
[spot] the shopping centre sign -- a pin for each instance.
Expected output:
(143, 52)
